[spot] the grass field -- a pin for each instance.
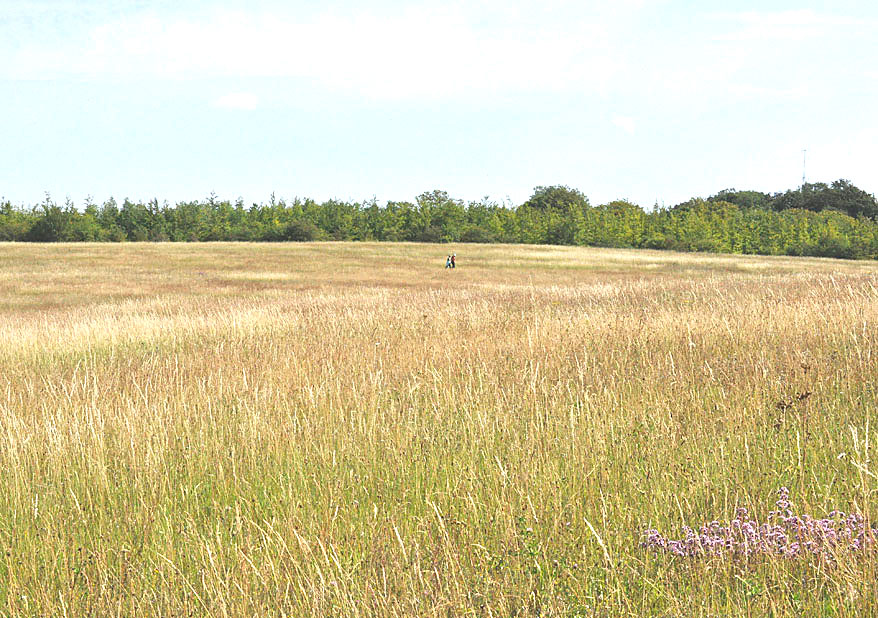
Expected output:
(351, 430)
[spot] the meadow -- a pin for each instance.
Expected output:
(348, 429)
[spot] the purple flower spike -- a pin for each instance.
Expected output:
(790, 536)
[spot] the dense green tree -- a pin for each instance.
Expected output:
(556, 197)
(841, 196)
(51, 224)
(742, 199)
(730, 221)
(15, 225)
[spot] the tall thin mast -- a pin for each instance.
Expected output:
(804, 154)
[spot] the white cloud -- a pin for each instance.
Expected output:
(237, 100)
(626, 123)
(436, 49)
(794, 25)
(747, 90)
(424, 50)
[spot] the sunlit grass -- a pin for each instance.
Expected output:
(350, 429)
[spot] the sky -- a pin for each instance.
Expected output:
(654, 101)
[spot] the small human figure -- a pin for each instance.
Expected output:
(448, 262)
(453, 255)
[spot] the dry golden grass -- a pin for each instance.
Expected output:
(351, 430)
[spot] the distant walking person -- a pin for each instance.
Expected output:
(448, 262)
(453, 255)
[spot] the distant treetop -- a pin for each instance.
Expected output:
(556, 197)
(841, 195)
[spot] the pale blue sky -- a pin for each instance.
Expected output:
(638, 99)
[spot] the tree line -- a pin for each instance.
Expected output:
(831, 220)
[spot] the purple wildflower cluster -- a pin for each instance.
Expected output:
(786, 535)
